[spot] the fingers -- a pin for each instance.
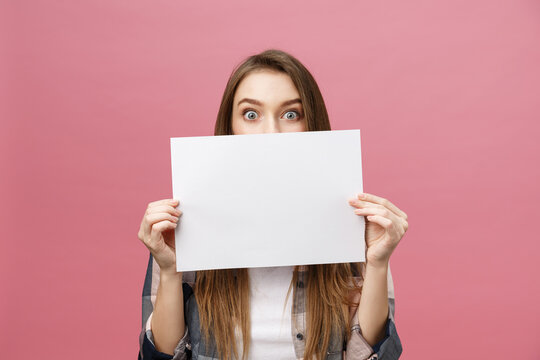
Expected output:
(383, 217)
(158, 211)
(377, 211)
(155, 218)
(381, 220)
(371, 210)
(172, 202)
(163, 209)
(373, 199)
(155, 233)
(388, 225)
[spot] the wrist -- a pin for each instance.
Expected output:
(377, 265)
(170, 276)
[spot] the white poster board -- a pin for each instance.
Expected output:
(273, 199)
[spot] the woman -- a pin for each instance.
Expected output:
(336, 310)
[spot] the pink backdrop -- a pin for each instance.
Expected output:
(446, 94)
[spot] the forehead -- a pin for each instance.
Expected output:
(267, 86)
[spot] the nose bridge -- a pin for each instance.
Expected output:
(271, 124)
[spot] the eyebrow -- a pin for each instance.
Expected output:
(257, 102)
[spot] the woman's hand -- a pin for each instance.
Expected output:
(157, 232)
(385, 226)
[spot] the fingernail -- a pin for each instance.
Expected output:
(361, 195)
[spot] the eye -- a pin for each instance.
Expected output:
(250, 114)
(292, 115)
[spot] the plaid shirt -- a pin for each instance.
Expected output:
(192, 344)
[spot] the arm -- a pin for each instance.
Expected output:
(164, 330)
(168, 325)
(385, 226)
(373, 310)
(147, 349)
(389, 347)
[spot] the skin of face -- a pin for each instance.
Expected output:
(263, 108)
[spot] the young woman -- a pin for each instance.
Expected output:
(336, 310)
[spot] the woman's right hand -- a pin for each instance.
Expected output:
(157, 232)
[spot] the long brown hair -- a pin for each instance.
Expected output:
(223, 295)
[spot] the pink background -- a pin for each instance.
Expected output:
(446, 93)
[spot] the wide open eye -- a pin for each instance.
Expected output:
(250, 115)
(291, 115)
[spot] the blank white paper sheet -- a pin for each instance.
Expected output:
(263, 200)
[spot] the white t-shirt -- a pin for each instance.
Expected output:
(271, 336)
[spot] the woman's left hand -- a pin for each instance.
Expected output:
(385, 226)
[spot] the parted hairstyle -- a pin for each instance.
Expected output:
(223, 295)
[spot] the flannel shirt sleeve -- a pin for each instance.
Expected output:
(389, 348)
(147, 349)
